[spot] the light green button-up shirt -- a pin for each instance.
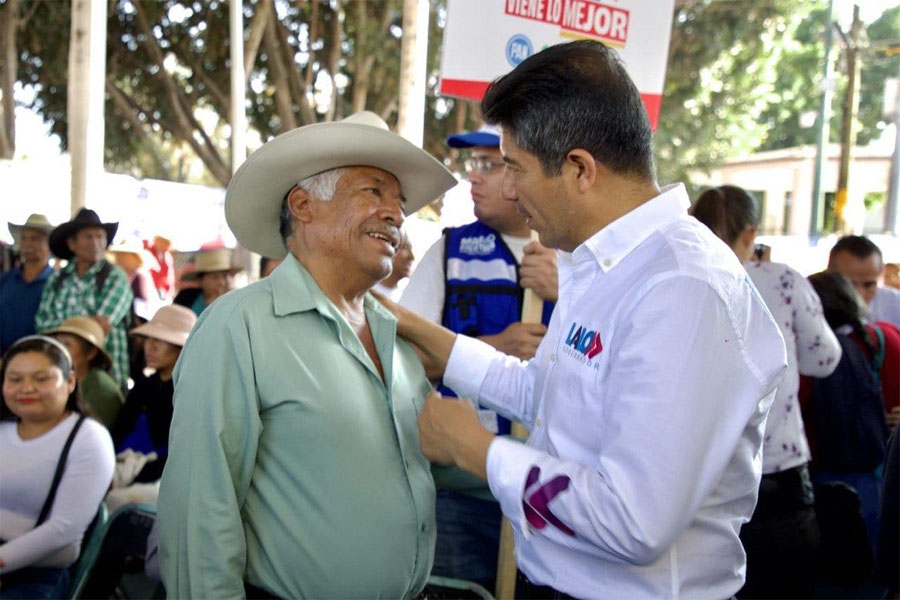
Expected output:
(291, 463)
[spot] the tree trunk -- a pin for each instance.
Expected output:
(9, 22)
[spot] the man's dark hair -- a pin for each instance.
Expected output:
(285, 220)
(574, 95)
(857, 245)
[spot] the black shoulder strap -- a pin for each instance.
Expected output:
(102, 275)
(57, 476)
(63, 275)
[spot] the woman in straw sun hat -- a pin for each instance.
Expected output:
(85, 341)
(214, 271)
(143, 423)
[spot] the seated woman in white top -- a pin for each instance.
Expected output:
(39, 412)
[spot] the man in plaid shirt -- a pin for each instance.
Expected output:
(89, 285)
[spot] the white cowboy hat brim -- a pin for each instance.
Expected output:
(254, 196)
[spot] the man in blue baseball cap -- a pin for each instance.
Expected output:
(471, 281)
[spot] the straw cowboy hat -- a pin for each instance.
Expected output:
(170, 324)
(34, 221)
(59, 237)
(211, 261)
(90, 331)
(134, 246)
(254, 196)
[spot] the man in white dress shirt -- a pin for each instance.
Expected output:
(858, 259)
(647, 398)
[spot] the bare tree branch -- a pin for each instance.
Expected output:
(298, 86)
(257, 27)
(128, 112)
(187, 125)
(312, 37)
(278, 76)
(334, 56)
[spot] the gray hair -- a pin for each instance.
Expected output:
(320, 186)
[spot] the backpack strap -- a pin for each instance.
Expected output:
(60, 279)
(878, 359)
(102, 275)
(57, 476)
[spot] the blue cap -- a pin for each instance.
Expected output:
(486, 136)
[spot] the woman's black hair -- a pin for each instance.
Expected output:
(728, 210)
(56, 353)
(841, 304)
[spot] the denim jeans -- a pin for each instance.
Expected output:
(468, 535)
(36, 583)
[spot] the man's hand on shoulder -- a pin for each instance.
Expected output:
(519, 339)
(538, 271)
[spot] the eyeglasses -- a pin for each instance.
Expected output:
(482, 165)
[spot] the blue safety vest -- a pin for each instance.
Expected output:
(481, 287)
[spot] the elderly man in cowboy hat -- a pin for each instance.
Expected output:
(215, 274)
(21, 287)
(294, 466)
(89, 285)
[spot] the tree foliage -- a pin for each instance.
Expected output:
(739, 76)
(168, 70)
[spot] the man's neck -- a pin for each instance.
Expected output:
(344, 291)
(31, 270)
(614, 201)
(82, 267)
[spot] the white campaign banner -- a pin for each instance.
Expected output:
(484, 39)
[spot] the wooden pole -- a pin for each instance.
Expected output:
(532, 309)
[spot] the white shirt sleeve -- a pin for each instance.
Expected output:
(818, 350)
(886, 306)
(85, 481)
(424, 295)
(674, 417)
(472, 361)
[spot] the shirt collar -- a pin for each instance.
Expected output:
(44, 274)
(295, 290)
(93, 270)
(616, 241)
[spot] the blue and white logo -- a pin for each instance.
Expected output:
(518, 48)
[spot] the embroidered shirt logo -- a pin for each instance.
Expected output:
(584, 340)
(480, 245)
(538, 495)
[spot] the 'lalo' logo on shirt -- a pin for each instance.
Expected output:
(584, 341)
(480, 245)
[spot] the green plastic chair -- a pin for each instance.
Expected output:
(90, 550)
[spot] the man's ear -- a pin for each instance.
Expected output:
(70, 242)
(581, 167)
(300, 203)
